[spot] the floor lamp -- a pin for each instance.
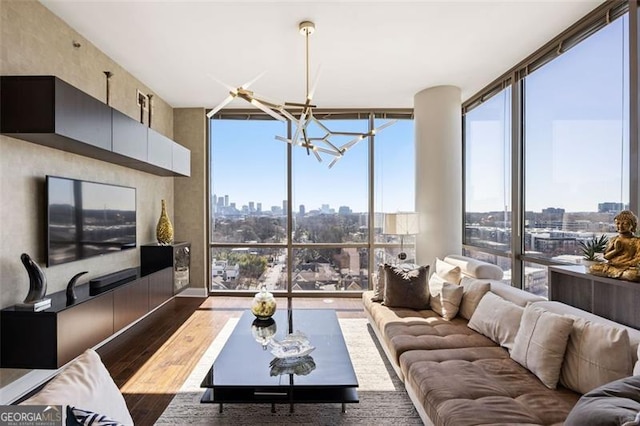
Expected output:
(402, 223)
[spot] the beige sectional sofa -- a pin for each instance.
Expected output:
(456, 375)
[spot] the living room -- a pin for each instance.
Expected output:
(37, 42)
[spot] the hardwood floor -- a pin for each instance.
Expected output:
(150, 361)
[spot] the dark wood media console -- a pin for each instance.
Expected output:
(53, 337)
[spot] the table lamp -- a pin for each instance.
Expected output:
(402, 223)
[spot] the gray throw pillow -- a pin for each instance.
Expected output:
(406, 288)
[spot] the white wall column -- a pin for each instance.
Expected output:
(438, 127)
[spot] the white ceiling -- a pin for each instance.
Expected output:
(371, 53)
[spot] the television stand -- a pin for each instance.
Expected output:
(105, 282)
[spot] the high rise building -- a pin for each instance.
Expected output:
(302, 210)
(226, 200)
(252, 207)
(259, 207)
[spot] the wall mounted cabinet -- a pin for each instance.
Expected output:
(56, 335)
(48, 111)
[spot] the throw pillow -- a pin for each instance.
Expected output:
(474, 290)
(596, 354)
(445, 297)
(450, 273)
(79, 417)
(541, 343)
(497, 318)
(406, 288)
(379, 284)
(85, 383)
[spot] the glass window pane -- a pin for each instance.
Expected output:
(330, 269)
(248, 181)
(394, 176)
(576, 144)
(488, 173)
(330, 205)
(245, 268)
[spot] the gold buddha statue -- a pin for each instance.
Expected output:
(622, 252)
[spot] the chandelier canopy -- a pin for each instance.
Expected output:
(300, 114)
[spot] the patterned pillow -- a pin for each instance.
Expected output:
(406, 288)
(80, 417)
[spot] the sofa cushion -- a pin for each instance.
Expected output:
(431, 333)
(596, 354)
(475, 268)
(474, 290)
(498, 319)
(85, 383)
(613, 404)
(541, 343)
(406, 288)
(445, 297)
(514, 295)
(481, 386)
(448, 272)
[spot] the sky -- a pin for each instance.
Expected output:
(249, 164)
(576, 132)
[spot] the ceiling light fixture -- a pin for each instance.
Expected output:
(302, 136)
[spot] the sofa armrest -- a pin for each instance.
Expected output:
(85, 383)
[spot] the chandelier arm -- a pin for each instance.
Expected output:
(306, 140)
(351, 143)
(221, 105)
(283, 139)
(328, 151)
(334, 161)
(267, 110)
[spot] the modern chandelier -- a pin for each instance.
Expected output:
(318, 145)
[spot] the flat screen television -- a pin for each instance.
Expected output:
(86, 219)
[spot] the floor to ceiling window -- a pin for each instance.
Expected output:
(571, 145)
(321, 240)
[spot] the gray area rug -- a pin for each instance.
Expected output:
(383, 400)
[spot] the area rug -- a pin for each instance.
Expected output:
(383, 400)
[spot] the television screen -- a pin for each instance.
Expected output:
(86, 219)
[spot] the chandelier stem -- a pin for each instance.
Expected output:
(307, 60)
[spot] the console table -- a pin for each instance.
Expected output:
(617, 300)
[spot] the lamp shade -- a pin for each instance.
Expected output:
(405, 223)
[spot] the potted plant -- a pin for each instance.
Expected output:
(591, 248)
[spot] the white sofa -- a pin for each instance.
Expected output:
(86, 385)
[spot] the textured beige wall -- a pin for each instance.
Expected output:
(190, 129)
(33, 41)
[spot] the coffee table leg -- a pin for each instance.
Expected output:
(291, 410)
(273, 407)
(220, 408)
(344, 408)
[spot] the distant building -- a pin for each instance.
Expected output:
(259, 207)
(610, 207)
(344, 210)
(302, 209)
(226, 201)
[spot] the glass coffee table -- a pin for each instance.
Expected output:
(245, 371)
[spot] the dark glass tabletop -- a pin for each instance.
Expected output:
(243, 362)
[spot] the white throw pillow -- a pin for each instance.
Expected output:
(497, 318)
(85, 383)
(541, 343)
(596, 354)
(448, 272)
(474, 290)
(445, 297)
